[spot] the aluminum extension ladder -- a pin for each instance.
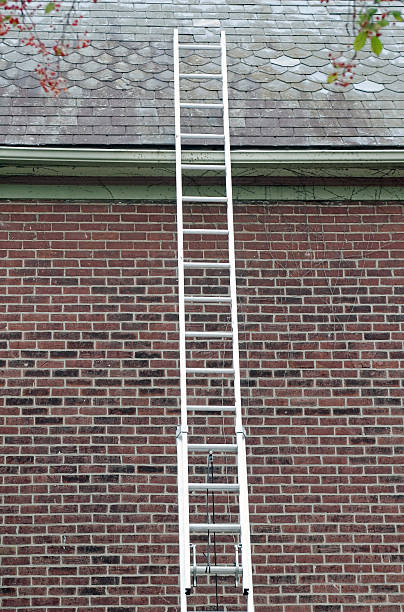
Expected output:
(242, 572)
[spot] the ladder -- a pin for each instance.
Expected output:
(189, 530)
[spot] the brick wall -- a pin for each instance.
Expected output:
(89, 396)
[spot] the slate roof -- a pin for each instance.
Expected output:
(121, 92)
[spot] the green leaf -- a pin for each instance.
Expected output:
(360, 40)
(371, 12)
(376, 45)
(332, 77)
(49, 7)
(383, 23)
(397, 15)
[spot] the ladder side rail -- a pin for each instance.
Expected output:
(185, 547)
(241, 455)
(230, 227)
(244, 520)
(180, 485)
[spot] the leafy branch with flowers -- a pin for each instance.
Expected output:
(366, 24)
(23, 16)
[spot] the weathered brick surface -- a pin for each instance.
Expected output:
(89, 396)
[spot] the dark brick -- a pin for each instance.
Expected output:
(66, 373)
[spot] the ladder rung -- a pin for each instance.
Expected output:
(204, 136)
(212, 486)
(204, 166)
(205, 231)
(201, 75)
(210, 370)
(204, 199)
(211, 408)
(206, 264)
(216, 527)
(198, 46)
(217, 570)
(207, 300)
(214, 447)
(209, 334)
(201, 104)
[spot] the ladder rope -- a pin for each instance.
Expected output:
(210, 479)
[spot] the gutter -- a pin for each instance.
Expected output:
(298, 158)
